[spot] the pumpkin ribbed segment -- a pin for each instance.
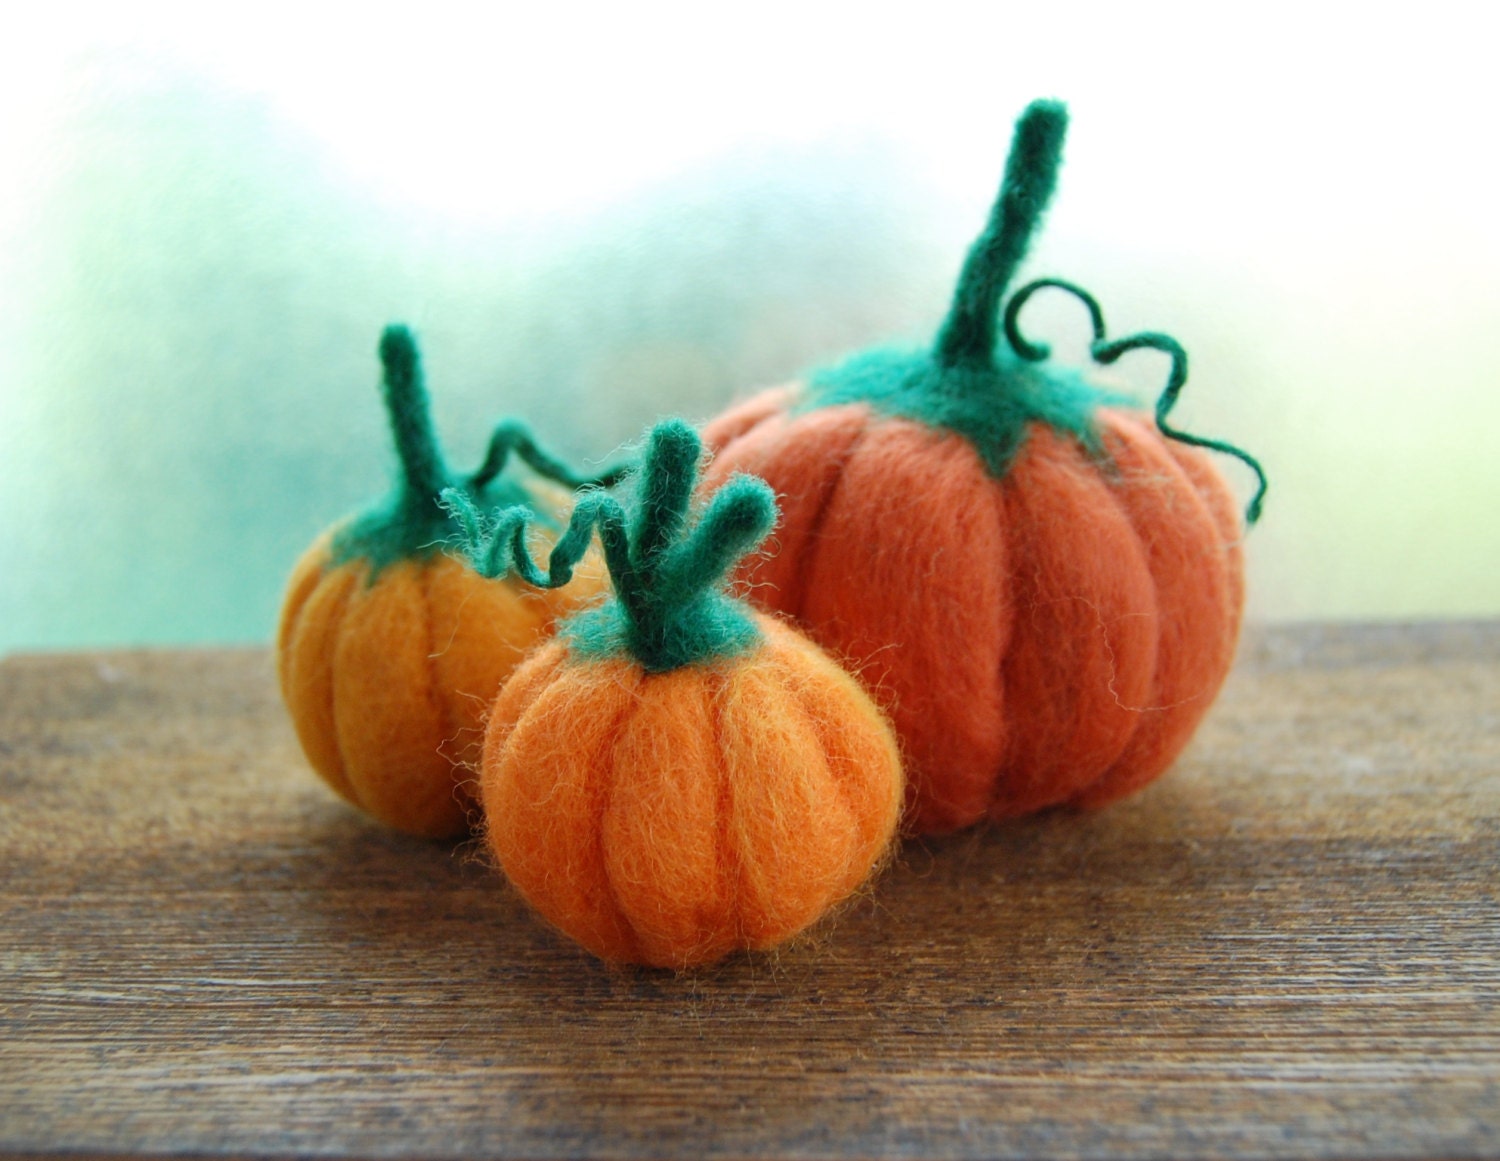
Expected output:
(1198, 587)
(913, 619)
(307, 639)
(673, 873)
(1084, 647)
(550, 735)
(817, 466)
(387, 718)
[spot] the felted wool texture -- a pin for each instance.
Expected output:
(1043, 594)
(749, 412)
(670, 818)
(1053, 636)
(993, 406)
(408, 523)
(389, 652)
(667, 562)
(670, 608)
(805, 467)
(1199, 580)
(387, 679)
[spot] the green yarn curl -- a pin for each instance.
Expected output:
(410, 522)
(669, 607)
(1106, 351)
(969, 384)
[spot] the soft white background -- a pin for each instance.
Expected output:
(597, 214)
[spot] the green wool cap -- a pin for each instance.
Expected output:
(670, 608)
(410, 522)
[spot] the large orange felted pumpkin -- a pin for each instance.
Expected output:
(1043, 589)
(390, 652)
(674, 777)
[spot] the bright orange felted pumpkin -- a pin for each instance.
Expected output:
(674, 777)
(389, 652)
(1044, 590)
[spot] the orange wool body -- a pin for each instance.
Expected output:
(670, 818)
(388, 683)
(1052, 636)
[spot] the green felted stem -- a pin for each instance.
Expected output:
(423, 473)
(663, 494)
(964, 383)
(968, 336)
(410, 523)
(669, 607)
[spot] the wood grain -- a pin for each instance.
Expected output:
(1288, 947)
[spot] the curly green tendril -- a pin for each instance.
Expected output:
(1105, 351)
(410, 522)
(669, 608)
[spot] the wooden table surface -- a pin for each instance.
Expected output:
(1290, 946)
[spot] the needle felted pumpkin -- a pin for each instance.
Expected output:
(673, 776)
(1043, 589)
(389, 652)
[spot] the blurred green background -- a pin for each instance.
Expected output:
(205, 222)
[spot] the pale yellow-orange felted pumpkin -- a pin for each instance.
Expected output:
(389, 652)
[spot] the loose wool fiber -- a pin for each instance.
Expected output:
(670, 818)
(1052, 636)
(388, 680)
